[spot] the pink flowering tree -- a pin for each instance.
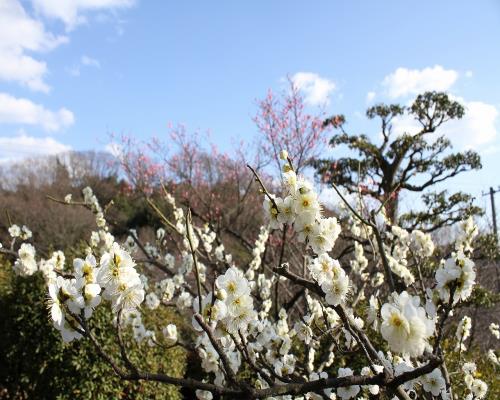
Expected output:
(284, 123)
(217, 186)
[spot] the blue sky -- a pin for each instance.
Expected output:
(73, 72)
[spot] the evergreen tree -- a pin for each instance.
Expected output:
(413, 162)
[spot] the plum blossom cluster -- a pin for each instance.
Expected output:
(301, 207)
(74, 293)
(26, 264)
(73, 298)
(331, 277)
(477, 388)
(23, 233)
(456, 276)
(120, 281)
(406, 325)
(463, 332)
(396, 254)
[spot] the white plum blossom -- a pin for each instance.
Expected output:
(212, 310)
(152, 301)
(233, 282)
(457, 274)
(271, 207)
(92, 298)
(184, 301)
(26, 264)
(14, 231)
(304, 225)
(372, 312)
(463, 332)
(167, 289)
(478, 388)
(286, 211)
(65, 294)
(469, 368)
(405, 325)
(421, 243)
(466, 234)
(120, 280)
(86, 273)
(495, 330)
(360, 262)
(323, 268)
(336, 289)
(304, 331)
(434, 382)
(170, 334)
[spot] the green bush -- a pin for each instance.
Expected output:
(36, 364)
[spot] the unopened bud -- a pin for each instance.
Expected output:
(220, 294)
(286, 168)
(284, 155)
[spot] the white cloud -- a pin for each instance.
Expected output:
(476, 129)
(404, 124)
(317, 90)
(85, 61)
(23, 69)
(403, 81)
(90, 62)
(23, 111)
(20, 33)
(22, 145)
(370, 96)
(72, 12)
(468, 74)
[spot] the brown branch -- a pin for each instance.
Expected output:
(222, 354)
(138, 375)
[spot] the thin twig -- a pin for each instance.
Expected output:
(195, 261)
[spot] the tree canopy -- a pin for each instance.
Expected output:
(384, 165)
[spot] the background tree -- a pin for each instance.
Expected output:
(413, 162)
(284, 123)
(217, 186)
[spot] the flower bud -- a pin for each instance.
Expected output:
(220, 294)
(170, 334)
(284, 155)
